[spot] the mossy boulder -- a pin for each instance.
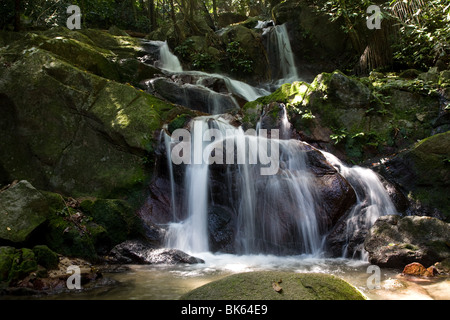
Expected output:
(22, 209)
(70, 131)
(423, 172)
(16, 264)
(290, 94)
(252, 47)
(71, 232)
(274, 285)
(6, 261)
(116, 216)
(394, 241)
(46, 257)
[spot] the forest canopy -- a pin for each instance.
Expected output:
(416, 33)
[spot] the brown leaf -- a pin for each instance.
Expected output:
(276, 287)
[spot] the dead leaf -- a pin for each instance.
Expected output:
(276, 287)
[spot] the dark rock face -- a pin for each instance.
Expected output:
(395, 242)
(132, 251)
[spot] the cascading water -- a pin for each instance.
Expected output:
(167, 60)
(281, 55)
(263, 222)
(372, 201)
(270, 213)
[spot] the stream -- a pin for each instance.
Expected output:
(166, 282)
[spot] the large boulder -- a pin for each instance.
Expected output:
(70, 131)
(395, 242)
(22, 210)
(423, 172)
(273, 285)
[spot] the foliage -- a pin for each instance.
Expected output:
(203, 61)
(423, 27)
(239, 61)
(425, 33)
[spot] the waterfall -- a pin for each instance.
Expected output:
(191, 234)
(281, 55)
(263, 204)
(167, 143)
(372, 201)
(167, 60)
(276, 213)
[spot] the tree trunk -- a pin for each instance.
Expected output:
(214, 2)
(17, 15)
(179, 33)
(378, 52)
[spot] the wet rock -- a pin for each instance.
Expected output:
(133, 251)
(394, 241)
(443, 266)
(193, 96)
(416, 269)
(69, 130)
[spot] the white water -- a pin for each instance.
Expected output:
(168, 61)
(280, 45)
(372, 200)
(259, 201)
(275, 213)
(191, 235)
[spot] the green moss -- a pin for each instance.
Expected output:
(259, 286)
(24, 262)
(116, 216)
(6, 261)
(179, 122)
(71, 233)
(292, 95)
(46, 257)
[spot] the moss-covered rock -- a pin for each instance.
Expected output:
(251, 46)
(6, 261)
(46, 257)
(273, 285)
(395, 242)
(22, 210)
(70, 131)
(24, 262)
(71, 232)
(423, 172)
(116, 216)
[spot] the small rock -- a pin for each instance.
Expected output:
(433, 271)
(417, 269)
